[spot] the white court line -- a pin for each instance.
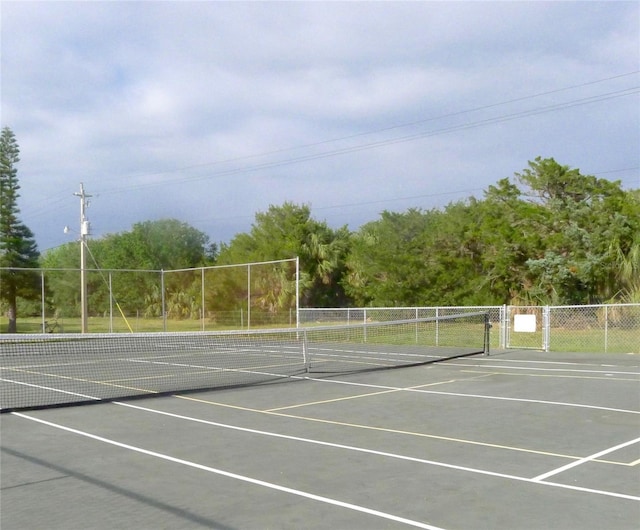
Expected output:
(382, 453)
(584, 460)
(139, 391)
(527, 368)
(384, 387)
(243, 478)
(476, 396)
(59, 390)
(496, 359)
(349, 448)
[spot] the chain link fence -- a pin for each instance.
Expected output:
(266, 295)
(608, 328)
(613, 328)
(204, 298)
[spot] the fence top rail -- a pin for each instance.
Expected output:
(157, 271)
(74, 269)
(480, 307)
(402, 308)
(593, 306)
(234, 265)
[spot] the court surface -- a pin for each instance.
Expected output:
(515, 440)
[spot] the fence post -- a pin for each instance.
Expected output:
(546, 328)
(110, 304)
(606, 327)
(163, 302)
(202, 314)
(364, 322)
(297, 292)
(503, 326)
(249, 296)
(43, 308)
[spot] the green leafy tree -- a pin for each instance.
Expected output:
(576, 262)
(386, 265)
(154, 245)
(549, 236)
(169, 244)
(149, 247)
(512, 233)
(289, 231)
(17, 244)
(454, 249)
(418, 258)
(625, 253)
(62, 279)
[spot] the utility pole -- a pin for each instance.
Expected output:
(84, 232)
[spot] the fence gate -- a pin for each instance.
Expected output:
(526, 327)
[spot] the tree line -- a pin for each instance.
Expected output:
(547, 235)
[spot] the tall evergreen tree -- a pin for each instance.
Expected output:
(18, 248)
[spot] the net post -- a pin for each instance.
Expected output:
(305, 352)
(487, 334)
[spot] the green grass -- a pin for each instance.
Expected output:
(616, 340)
(120, 325)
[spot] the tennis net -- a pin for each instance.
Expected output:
(52, 370)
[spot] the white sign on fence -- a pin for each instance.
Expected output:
(524, 323)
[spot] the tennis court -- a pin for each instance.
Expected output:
(517, 439)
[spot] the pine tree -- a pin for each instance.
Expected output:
(18, 249)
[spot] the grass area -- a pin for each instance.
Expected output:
(615, 340)
(120, 325)
(596, 340)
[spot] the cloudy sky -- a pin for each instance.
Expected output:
(209, 112)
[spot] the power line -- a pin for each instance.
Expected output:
(616, 170)
(392, 127)
(466, 192)
(380, 143)
(383, 143)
